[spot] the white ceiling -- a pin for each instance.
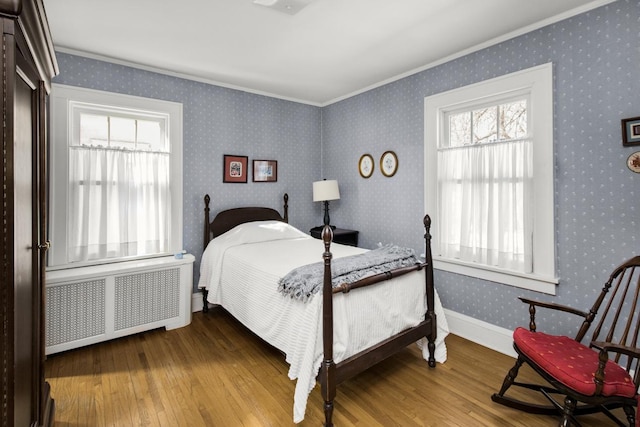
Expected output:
(329, 50)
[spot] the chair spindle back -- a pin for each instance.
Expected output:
(619, 322)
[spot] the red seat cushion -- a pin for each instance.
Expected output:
(573, 364)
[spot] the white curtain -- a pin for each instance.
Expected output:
(119, 203)
(484, 193)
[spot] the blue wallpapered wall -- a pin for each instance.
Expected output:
(218, 121)
(596, 62)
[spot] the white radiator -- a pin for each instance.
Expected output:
(87, 305)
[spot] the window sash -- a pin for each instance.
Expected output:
(141, 186)
(484, 186)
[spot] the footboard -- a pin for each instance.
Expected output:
(333, 374)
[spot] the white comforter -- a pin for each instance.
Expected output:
(241, 269)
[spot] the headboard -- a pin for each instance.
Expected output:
(227, 219)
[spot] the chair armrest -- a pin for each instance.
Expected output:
(554, 306)
(633, 352)
(603, 358)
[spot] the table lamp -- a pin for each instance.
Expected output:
(323, 191)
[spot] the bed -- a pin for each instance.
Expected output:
(334, 333)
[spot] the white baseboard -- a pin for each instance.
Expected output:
(480, 332)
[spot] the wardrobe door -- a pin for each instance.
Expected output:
(27, 280)
(32, 403)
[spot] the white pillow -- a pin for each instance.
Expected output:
(259, 231)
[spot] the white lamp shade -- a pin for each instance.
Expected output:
(325, 190)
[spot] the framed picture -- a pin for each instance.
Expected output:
(265, 171)
(235, 169)
(366, 165)
(631, 131)
(388, 163)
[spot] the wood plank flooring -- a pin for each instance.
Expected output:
(214, 372)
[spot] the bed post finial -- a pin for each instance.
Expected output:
(286, 208)
(427, 222)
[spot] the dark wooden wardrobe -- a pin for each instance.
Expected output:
(27, 66)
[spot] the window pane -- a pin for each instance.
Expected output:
(123, 133)
(459, 129)
(484, 125)
(150, 136)
(94, 130)
(513, 120)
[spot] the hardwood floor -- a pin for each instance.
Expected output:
(216, 373)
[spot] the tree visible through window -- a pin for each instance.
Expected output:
(489, 124)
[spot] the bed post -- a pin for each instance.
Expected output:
(286, 208)
(207, 222)
(207, 238)
(328, 378)
(430, 291)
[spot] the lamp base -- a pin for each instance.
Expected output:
(321, 227)
(327, 220)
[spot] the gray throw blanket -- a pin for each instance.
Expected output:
(302, 282)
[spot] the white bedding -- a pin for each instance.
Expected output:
(241, 269)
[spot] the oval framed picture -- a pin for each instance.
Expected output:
(388, 163)
(633, 162)
(366, 165)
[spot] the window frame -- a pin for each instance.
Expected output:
(537, 82)
(61, 126)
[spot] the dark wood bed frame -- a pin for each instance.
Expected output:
(331, 373)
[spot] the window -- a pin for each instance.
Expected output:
(116, 177)
(489, 179)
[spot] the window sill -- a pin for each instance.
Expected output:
(530, 282)
(111, 263)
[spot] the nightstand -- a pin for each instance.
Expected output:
(340, 235)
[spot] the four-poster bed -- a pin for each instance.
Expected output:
(341, 332)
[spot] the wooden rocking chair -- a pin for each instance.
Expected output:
(598, 376)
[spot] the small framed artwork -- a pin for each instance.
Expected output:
(631, 131)
(235, 169)
(265, 171)
(366, 165)
(388, 163)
